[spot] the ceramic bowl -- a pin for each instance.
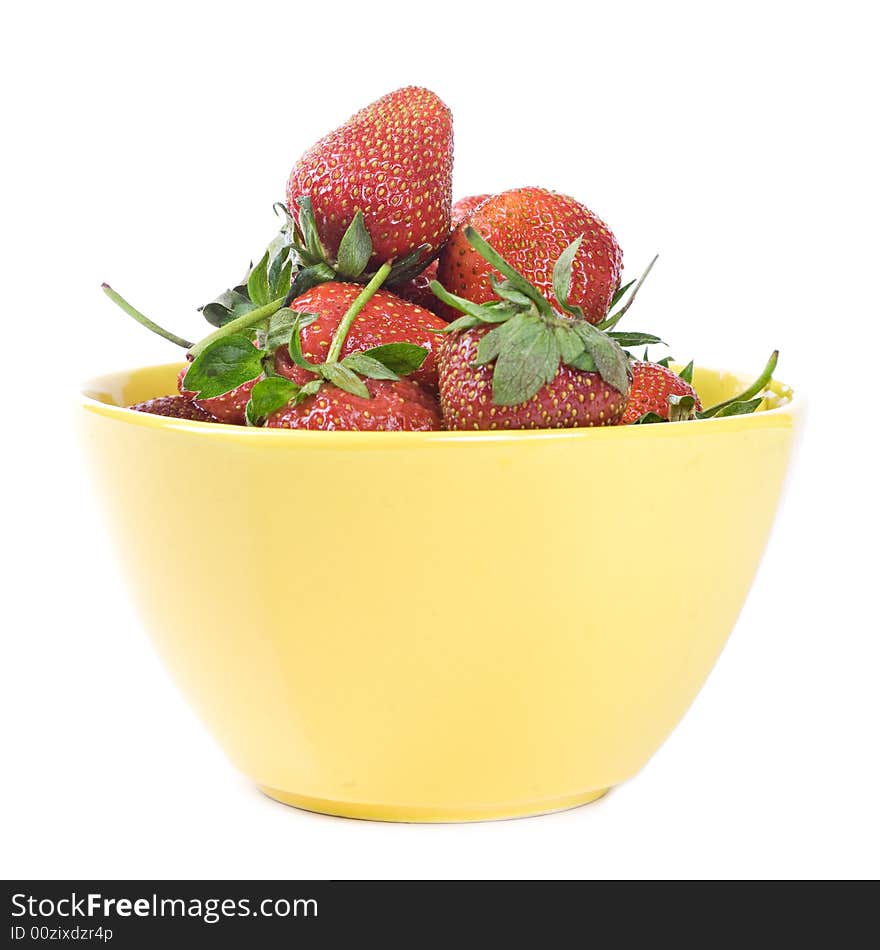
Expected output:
(438, 626)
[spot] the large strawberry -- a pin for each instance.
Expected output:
(657, 389)
(418, 288)
(392, 406)
(392, 161)
(517, 363)
(385, 318)
(530, 228)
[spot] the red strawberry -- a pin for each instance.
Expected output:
(516, 363)
(177, 407)
(572, 399)
(530, 228)
(385, 319)
(464, 208)
(418, 289)
(393, 406)
(392, 161)
(652, 386)
(229, 407)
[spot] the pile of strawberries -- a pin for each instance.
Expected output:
(381, 305)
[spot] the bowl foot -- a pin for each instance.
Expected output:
(431, 813)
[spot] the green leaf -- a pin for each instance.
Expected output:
(461, 323)
(367, 366)
(491, 344)
(224, 365)
(408, 267)
(312, 250)
(267, 396)
(468, 307)
(528, 360)
(281, 326)
(562, 273)
(571, 346)
(664, 362)
(635, 339)
(229, 305)
(687, 374)
(618, 294)
(307, 278)
(612, 320)
(310, 388)
(584, 362)
(355, 249)
(344, 378)
(739, 408)
(258, 282)
(611, 362)
(649, 418)
(296, 353)
(508, 292)
(400, 358)
(242, 298)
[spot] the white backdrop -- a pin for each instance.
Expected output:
(145, 146)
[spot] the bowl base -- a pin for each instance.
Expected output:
(430, 813)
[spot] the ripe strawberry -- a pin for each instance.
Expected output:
(393, 162)
(384, 319)
(228, 408)
(464, 208)
(418, 289)
(516, 363)
(573, 398)
(652, 387)
(393, 406)
(530, 228)
(177, 407)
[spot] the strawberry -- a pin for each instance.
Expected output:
(392, 161)
(516, 363)
(262, 372)
(464, 208)
(384, 319)
(418, 289)
(392, 406)
(228, 407)
(572, 399)
(531, 227)
(176, 407)
(658, 390)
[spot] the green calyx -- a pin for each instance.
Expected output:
(530, 338)
(353, 256)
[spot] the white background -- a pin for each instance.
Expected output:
(145, 144)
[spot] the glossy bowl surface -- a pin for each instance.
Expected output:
(438, 626)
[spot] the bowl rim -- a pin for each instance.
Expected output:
(782, 415)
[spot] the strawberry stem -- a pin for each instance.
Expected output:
(753, 390)
(143, 320)
(358, 304)
(244, 322)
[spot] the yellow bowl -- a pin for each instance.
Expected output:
(438, 626)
